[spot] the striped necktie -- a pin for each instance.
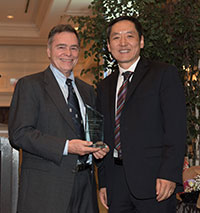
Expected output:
(120, 103)
(74, 110)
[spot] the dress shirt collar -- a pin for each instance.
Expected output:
(131, 68)
(60, 77)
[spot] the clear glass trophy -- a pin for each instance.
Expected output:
(94, 127)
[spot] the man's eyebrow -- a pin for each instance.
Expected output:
(74, 45)
(115, 33)
(65, 45)
(61, 45)
(118, 33)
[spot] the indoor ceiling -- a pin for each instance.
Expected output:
(34, 18)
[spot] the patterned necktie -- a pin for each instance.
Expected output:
(120, 103)
(74, 110)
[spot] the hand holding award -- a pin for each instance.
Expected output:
(94, 125)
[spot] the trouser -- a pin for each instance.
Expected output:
(83, 198)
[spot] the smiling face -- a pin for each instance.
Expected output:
(124, 43)
(63, 52)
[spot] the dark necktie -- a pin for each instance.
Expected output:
(74, 110)
(121, 97)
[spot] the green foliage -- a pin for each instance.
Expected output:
(171, 32)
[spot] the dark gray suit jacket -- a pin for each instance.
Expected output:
(39, 124)
(153, 128)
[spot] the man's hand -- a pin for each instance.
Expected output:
(81, 147)
(164, 189)
(103, 197)
(101, 153)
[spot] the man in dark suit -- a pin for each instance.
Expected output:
(54, 177)
(145, 127)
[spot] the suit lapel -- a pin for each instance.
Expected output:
(140, 71)
(112, 94)
(85, 97)
(53, 90)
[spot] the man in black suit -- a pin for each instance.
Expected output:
(54, 177)
(143, 170)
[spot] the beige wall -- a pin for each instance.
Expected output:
(18, 61)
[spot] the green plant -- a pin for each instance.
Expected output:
(171, 31)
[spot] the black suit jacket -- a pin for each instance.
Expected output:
(152, 127)
(39, 124)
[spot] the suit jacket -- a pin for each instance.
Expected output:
(39, 124)
(152, 128)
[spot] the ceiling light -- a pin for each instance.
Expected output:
(10, 16)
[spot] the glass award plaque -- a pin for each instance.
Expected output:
(94, 126)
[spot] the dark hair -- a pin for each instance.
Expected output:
(59, 29)
(138, 26)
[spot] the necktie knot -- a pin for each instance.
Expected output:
(69, 82)
(127, 75)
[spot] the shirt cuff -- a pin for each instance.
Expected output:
(65, 152)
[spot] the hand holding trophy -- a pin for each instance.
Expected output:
(94, 127)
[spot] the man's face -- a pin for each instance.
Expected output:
(64, 51)
(125, 43)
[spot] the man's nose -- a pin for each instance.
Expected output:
(123, 41)
(68, 51)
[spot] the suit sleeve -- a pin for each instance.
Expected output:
(173, 108)
(24, 129)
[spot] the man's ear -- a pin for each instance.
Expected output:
(108, 45)
(48, 52)
(142, 42)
